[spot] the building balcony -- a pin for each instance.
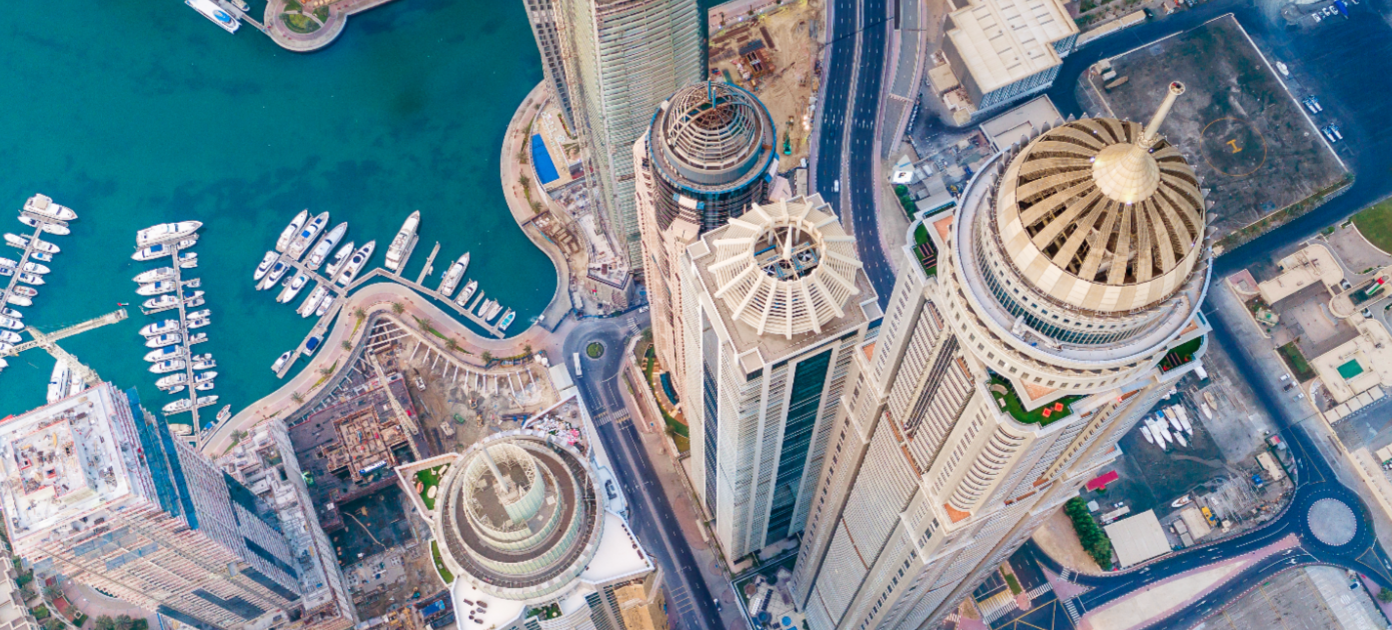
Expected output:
(1182, 354)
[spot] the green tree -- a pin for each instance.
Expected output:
(104, 622)
(52, 623)
(347, 345)
(452, 345)
(1385, 595)
(297, 397)
(487, 357)
(359, 313)
(124, 622)
(52, 592)
(527, 349)
(398, 308)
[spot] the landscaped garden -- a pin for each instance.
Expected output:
(428, 483)
(1296, 361)
(440, 564)
(1001, 389)
(1092, 537)
(595, 350)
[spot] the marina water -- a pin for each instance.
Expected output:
(139, 113)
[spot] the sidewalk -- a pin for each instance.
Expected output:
(94, 604)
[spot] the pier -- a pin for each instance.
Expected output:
(42, 340)
(429, 264)
(172, 243)
(28, 251)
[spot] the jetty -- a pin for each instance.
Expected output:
(42, 340)
(429, 264)
(172, 243)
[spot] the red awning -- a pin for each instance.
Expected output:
(1102, 480)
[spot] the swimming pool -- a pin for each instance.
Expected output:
(545, 168)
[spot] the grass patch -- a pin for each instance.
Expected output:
(322, 13)
(920, 234)
(40, 613)
(1295, 360)
(1041, 416)
(1375, 224)
(683, 443)
(1013, 583)
(299, 22)
(595, 350)
(1181, 355)
(429, 478)
(440, 564)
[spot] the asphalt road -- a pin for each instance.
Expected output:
(690, 605)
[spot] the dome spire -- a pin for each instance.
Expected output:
(1127, 172)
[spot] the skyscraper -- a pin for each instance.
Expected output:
(707, 155)
(1028, 330)
(776, 304)
(97, 490)
(625, 57)
(541, 14)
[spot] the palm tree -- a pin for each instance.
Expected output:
(359, 313)
(527, 349)
(52, 592)
(297, 397)
(398, 308)
(487, 357)
(452, 345)
(124, 622)
(347, 345)
(325, 371)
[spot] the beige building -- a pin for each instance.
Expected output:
(707, 156)
(1028, 330)
(1002, 50)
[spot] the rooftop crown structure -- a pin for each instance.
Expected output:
(1032, 328)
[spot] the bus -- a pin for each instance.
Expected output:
(577, 364)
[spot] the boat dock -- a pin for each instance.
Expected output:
(429, 262)
(42, 340)
(467, 313)
(406, 255)
(172, 243)
(28, 251)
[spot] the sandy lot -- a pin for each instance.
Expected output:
(787, 35)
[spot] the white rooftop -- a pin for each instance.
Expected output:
(619, 555)
(1003, 41)
(61, 461)
(1138, 538)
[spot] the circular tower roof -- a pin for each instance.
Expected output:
(1102, 214)
(712, 134)
(520, 514)
(785, 268)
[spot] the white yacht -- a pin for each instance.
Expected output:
(11, 323)
(19, 300)
(204, 377)
(166, 382)
(312, 302)
(8, 264)
(5, 347)
(163, 301)
(320, 253)
(9, 312)
(22, 290)
(29, 278)
(179, 406)
(274, 275)
(204, 401)
(507, 320)
(404, 239)
(204, 387)
(164, 354)
(454, 275)
(8, 272)
(35, 268)
(199, 323)
(292, 288)
(43, 205)
(59, 381)
(167, 339)
(356, 263)
(215, 14)
(156, 288)
(203, 362)
(175, 389)
(165, 367)
(160, 250)
(40, 256)
(161, 328)
(203, 314)
(165, 231)
(187, 260)
(23, 242)
(468, 292)
(197, 338)
(266, 262)
(279, 363)
(48, 228)
(340, 258)
(10, 337)
(154, 275)
(324, 307)
(194, 301)
(301, 242)
(291, 230)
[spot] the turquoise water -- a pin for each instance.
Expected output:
(138, 113)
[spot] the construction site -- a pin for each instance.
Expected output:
(403, 398)
(770, 48)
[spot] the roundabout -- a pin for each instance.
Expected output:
(1332, 522)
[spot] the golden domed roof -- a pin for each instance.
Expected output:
(1102, 214)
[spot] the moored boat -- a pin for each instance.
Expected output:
(163, 301)
(29, 278)
(203, 387)
(356, 263)
(23, 242)
(321, 251)
(203, 362)
(165, 367)
(175, 389)
(160, 328)
(198, 323)
(274, 275)
(156, 288)
(312, 302)
(166, 231)
(291, 230)
(280, 362)
(43, 205)
(11, 323)
(405, 237)
(9, 337)
(8, 264)
(204, 377)
(167, 339)
(35, 268)
(215, 14)
(165, 353)
(9, 312)
(166, 382)
(507, 320)
(19, 300)
(41, 257)
(55, 229)
(187, 260)
(340, 258)
(304, 237)
(468, 292)
(261, 269)
(205, 313)
(178, 406)
(454, 275)
(292, 288)
(58, 381)
(154, 275)
(197, 338)
(28, 292)
(160, 250)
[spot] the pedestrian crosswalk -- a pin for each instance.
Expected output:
(1072, 610)
(679, 602)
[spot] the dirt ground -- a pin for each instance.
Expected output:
(1235, 123)
(787, 34)
(468, 411)
(1056, 538)
(1357, 253)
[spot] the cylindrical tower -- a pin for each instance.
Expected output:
(710, 146)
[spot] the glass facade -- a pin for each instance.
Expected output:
(809, 379)
(710, 355)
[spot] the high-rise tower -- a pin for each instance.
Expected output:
(625, 57)
(541, 14)
(707, 155)
(776, 304)
(1028, 330)
(97, 490)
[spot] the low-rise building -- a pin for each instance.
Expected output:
(1002, 50)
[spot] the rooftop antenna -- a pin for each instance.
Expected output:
(1151, 135)
(492, 465)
